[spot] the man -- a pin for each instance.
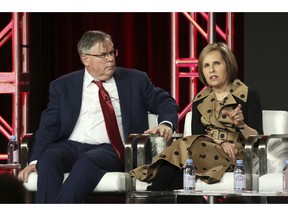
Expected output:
(72, 135)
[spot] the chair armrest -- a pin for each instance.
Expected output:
(140, 141)
(252, 145)
(263, 151)
(260, 143)
(25, 148)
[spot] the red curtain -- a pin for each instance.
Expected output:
(143, 40)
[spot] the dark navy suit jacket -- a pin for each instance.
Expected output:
(137, 96)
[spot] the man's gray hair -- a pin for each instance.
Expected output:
(89, 39)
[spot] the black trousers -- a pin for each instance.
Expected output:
(168, 177)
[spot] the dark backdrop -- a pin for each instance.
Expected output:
(266, 57)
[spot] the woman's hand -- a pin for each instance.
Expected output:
(230, 150)
(236, 116)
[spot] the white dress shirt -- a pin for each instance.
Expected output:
(90, 127)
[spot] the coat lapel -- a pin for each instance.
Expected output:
(208, 109)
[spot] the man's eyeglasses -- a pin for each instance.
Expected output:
(113, 53)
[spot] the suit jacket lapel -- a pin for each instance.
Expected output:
(124, 90)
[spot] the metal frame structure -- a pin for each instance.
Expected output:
(16, 82)
(208, 30)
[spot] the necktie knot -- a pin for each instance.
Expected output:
(98, 83)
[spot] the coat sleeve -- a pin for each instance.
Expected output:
(196, 125)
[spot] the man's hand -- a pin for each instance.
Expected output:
(164, 130)
(23, 174)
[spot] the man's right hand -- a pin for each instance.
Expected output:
(23, 174)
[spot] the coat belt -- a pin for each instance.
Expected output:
(223, 135)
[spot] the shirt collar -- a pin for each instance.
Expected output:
(88, 79)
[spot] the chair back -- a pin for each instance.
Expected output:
(187, 124)
(275, 122)
(274, 151)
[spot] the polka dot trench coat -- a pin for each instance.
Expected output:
(210, 127)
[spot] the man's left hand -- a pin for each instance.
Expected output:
(163, 129)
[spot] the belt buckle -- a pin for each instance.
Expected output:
(223, 135)
(215, 133)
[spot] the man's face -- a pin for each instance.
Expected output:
(101, 68)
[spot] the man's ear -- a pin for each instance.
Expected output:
(85, 60)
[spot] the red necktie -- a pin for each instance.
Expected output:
(110, 120)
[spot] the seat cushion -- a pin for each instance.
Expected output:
(271, 182)
(226, 183)
(111, 182)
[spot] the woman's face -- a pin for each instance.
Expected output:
(215, 70)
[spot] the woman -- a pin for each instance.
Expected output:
(225, 114)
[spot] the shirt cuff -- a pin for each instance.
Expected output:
(33, 162)
(167, 123)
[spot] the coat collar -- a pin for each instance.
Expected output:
(212, 114)
(238, 90)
